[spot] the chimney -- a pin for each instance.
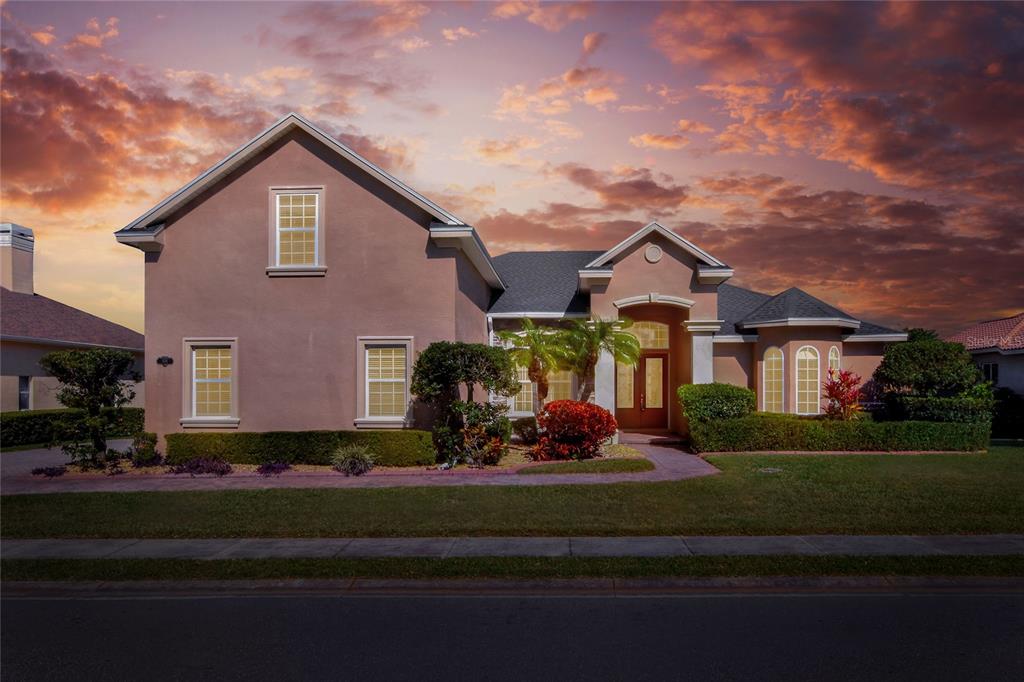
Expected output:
(16, 246)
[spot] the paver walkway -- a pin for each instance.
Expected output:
(670, 464)
(250, 548)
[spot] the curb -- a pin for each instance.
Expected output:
(506, 586)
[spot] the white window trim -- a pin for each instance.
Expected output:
(839, 354)
(188, 419)
(764, 383)
(274, 268)
(796, 385)
(364, 421)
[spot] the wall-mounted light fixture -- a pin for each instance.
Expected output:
(164, 360)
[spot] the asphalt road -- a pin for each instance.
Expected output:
(870, 636)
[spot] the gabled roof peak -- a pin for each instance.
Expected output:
(657, 228)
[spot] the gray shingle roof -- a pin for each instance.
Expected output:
(792, 303)
(542, 282)
(31, 316)
(735, 303)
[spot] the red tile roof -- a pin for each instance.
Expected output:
(31, 316)
(1003, 334)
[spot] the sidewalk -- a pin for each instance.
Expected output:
(441, 548)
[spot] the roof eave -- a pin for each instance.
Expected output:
(871, 338)
(465, 238)
(803, 322)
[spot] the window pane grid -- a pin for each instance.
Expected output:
(386, 381)
(833, 359)
(297, 216)
(211, 382)
(773, 380)
(560, 385)
(807, 381)
(653, 335)
(524, 399)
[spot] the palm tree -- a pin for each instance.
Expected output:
(584, 342)
(538, 350)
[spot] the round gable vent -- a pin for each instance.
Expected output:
(653, 253)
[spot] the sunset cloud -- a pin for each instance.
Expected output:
(551, 16)
(654, 141)
(453, 35)
(95, 34)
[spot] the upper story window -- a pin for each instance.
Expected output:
(296, 226)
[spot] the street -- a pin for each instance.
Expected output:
(810, 635)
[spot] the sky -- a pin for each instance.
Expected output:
(870, 154)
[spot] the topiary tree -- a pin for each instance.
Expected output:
(926, 368)
(446, 366)
(94, 381)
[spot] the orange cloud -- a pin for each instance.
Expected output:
(549, 16)
(653, 141)
(96, 35)
(453, 35)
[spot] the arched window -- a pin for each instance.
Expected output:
(650, 334)
(808, 381)
(773, 380)
(834, 363)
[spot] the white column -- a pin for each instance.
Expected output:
(604, 382)
(702, 335)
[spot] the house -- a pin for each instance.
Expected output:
(998, 349)
(290, 287)
(32, 325)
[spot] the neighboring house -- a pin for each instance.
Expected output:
(32, 325)
(291, 285)
(998, 348)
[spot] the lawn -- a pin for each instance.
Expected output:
(591, 466)
(754, 495)
(505, 567)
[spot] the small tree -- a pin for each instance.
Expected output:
(585, 341)
(539, 351)
(921, 334)
(842, 390)
(926, 368)
(96, 382)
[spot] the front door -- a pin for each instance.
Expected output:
(642, 393)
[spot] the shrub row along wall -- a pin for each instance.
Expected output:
(29, 427)
(781, 432)
(397, 448)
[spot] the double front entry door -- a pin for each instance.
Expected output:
(641, 400)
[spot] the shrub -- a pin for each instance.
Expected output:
(703, 402)
(202, 465)
(926, 368)
(484, 437)
(50, 472)
(842, 390)
(29, 427)
(143, 452)
(761, 431)
(525, 429)
(934, 409)
(401, 447)
(273, 468)
(573, 430)
(352, 460)
(1008, 420)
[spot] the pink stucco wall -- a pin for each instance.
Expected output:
(297, 354)
(734, 364)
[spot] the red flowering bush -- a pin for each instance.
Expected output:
(842, 390)
(571, 429)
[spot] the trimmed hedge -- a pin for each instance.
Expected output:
(933, 409)
(703, 402)
(398, 448)
(785, 432)
(28, 427)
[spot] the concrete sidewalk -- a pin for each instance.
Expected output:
(440, 548)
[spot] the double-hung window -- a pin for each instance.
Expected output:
(211, 383)
(296, 232)
(384, 367)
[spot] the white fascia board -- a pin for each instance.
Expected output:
(67, 344)
(162, 210)
(588, 278)
(807, 322)
(714, 275)
(735, 338)
(465, 238)
(545, 316)
(869, 338)
(144, 240)
(626, 243)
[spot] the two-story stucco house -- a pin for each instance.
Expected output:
(290, 287)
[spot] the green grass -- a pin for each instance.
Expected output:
(591, 466)
(505, 567)
(27, 446)
(887, 494)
